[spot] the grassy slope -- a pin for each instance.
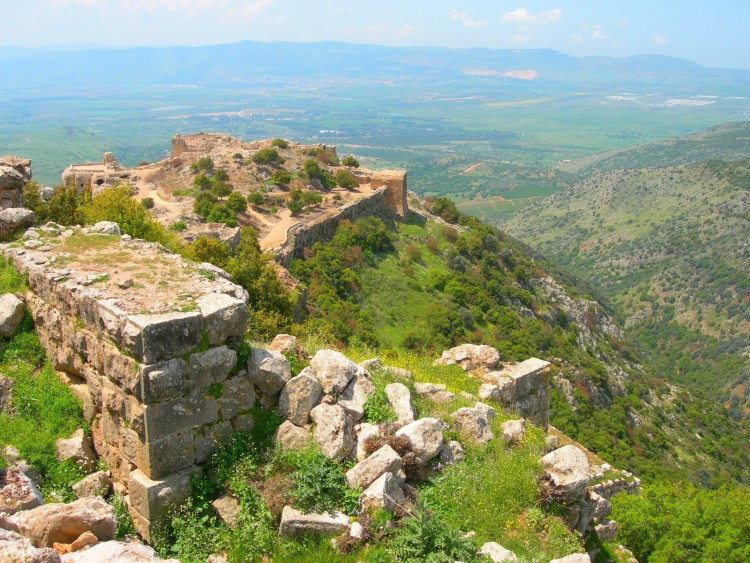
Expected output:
(669, 247)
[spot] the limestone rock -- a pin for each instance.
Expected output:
(357, 531)
(269, 371)
(64, 523)
(228, 509)
(385, 492)
(472, 424)
(606, 530)
(452, 452)
(334, 430)
(225, 317)
(573, 558)
(434, 392)
(513, 430)
(373, 364)
(365, 431)
(566, 474)
(365, 472)
(470, 357)
(116, 552)
(78, 449)
(292, 437)
(287, 344)
(11, 314)
(94, 485)
(355, 395)
(295, 523)
(299, 396)
(237, 395)
(14, 548)
(15, 173)
(17, 491)
(522, 387)
(333, 370)
(497, 553)
(425, 438)
(600, 507)
(400, 399)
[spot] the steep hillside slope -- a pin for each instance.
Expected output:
(427, 284)
(669, 246)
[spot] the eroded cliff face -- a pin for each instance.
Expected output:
(15, 173)
(146, 341)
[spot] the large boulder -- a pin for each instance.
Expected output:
(334, 430)
(566, 474)
(64, 523)
(14, 548)
(425, 438)
(288, 344)
(97, 484)
(299, 396)
(400, 399)
(78, 449)
(472, 424)
(606, 530)
(269, 371)
(600, 507)
(295, 523)
(435, 392)
(355, 395)
(497, 553)
(15, 173)
(116, 552)
(11, 314)
(385, 492)
(289, 436)
(470, 357)
(365, 472)
(333, 370)
(17, 491)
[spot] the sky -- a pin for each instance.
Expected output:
(712, 33)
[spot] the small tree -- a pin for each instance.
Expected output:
(221, 189)
(268, 156)
(311, 168)
(148, 202)
(256, 198)
(295, 206)
(346, 179)
(236, 202)
(281, 143)
(350, 162)
(205, 163)
(203, 204)
(280, 178)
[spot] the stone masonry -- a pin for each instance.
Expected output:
(150, 356)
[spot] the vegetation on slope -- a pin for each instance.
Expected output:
(669, 247)
(425, 286)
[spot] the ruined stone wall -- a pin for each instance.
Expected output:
(304, 235)
(159, 390)
(15, 173)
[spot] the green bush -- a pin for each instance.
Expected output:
(236, 202)
(350, 161)
(204, 203)
(256, 198)
(148, 202)
(33, 200)
(205, 163)
(268, 156)
(178, 226)
(280, 178)
(346, 179)
(280, 143)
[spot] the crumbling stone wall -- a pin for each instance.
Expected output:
(159, 390)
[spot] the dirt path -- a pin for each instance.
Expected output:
(471, 168)
(277, 235)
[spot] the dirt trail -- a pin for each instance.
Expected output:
(471, 168)
(277, 235)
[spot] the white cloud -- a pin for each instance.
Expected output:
(465, 20)
(522, 15)
(250, 11)
(405, 30)
(376, 28)
(524, 34)
(659, 40)
(597, 33)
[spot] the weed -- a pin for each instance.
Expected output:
(377, 407)
(215, 390)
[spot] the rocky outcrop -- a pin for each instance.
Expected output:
(15, 173)
(299, 396)
(470, 357)
(15, 218)
(385, 493)
(116, 552)
(565, 479)
(333, 370)
(14, 548)
(522, 388)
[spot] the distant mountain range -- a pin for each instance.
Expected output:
(249, 62)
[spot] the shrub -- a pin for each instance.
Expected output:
(236, 202)
(178, 226)
(256, 198)
(346, 179)
(238, 156)
(446, 209)
(220, 213)
(204, 203)
(280, 143)
(64, 205)
(148, 202)
(350, 161)
(280, 177)
(33, 200)
(268, 156)
(202, 182)
(221, 189)
(311, 168)
(205, 163)
(295, 206)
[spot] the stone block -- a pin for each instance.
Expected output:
(162, 381)
(161, 457)
(237, 395)
(224, 317)
(153, 338)
(210, 366)
(207, 438)
(295, 523)
(243, 422)
(153, 498)
(178, 415)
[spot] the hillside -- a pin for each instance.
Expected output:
(428, 284)
(669, 247)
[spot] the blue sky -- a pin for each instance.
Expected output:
(712, 33)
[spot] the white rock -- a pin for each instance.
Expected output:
(497, 553)
(11, 314)
(334, 430)
(333, 370)
(400, 399)
(97, 484)
(574, 558)
(434, 392)
(355, 395)
(116, 552)
(513, 430)
(269, 371)
(292, 437)
(299, 396)
(385, 492)
(77, 449)
(385, 460)
(356, 531)
(364, 431)
(295, 523)
(472, 424)
(566, 473)
(425, 437)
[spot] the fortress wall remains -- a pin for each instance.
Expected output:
(158, 390)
